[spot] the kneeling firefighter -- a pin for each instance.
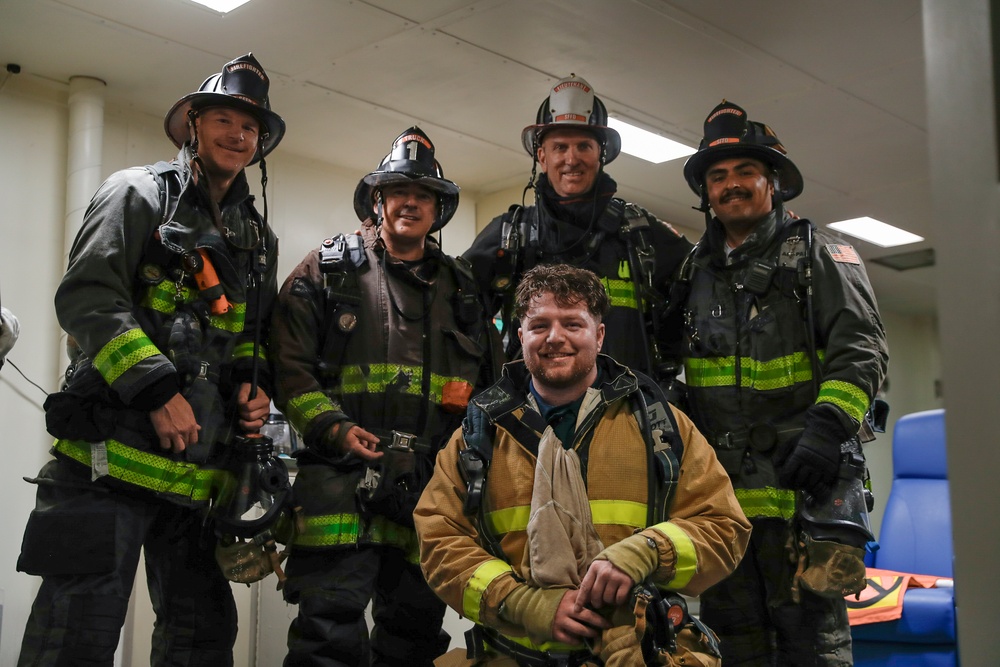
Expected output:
(170, 280)
(379, 339)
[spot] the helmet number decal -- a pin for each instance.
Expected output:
(411, 150)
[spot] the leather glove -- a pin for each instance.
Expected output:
(534, 609)
(811, 462)
(636, 556)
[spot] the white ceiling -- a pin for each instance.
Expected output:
(842, 83)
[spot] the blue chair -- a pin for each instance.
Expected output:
(915, 538)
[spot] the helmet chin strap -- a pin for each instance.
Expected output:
(379, 215)
(777, 201)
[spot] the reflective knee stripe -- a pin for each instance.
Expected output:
(149, 471)
(331, 530)
(766, 502)
(122, 353)
(846, 396)
(306, 407)
(472, 598)
(687, 556)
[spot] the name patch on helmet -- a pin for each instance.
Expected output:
(844, 254)
(414, 137)
(232, 67)
(571, 84)
(734, 111)
(569, 116)
(725, 140)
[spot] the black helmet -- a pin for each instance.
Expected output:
(411, 160)
(243, 85)
(729, 133)
(572, 105)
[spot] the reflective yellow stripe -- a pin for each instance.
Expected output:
(381, 376)
(761, 375)
(149, 471)
(509, 519)
(767, 502)
(328, 530)
(165, 296)
(619, 512)
(244, 350)
(687, 556)
(122, 353)
(621, 292)
(332, 530)
(604, 512)
(480, 580)
(303, 409)
(846, 396)
(232, 320)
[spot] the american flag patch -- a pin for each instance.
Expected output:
(844, 254)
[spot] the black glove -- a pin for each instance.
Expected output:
(810, 462)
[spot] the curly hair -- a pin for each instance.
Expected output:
(568, 284)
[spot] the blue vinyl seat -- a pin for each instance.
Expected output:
(915, 538)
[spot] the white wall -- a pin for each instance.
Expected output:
(308, 201)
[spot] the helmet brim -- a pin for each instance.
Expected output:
(175, 123)
(611, 140)
(789, 176)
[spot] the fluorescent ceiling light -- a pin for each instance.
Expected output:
(222, 6)
(647, 145)
(874, 231)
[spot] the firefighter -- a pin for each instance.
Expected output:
(576, 219)
(163, 379)
(379, 340)
(785, 352)
(572, 482)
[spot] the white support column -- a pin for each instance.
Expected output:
(84, 155)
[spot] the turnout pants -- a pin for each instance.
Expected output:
(84, 539)
(333, 587)
(756, 620)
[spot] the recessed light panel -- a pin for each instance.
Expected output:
(875, 231)
(647, 145)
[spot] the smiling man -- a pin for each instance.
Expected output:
(379, 341)
(165, 376)
(785, 351)
(576, 219)
(573, 495)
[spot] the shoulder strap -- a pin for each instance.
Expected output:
(664, 446)
(637, 230)
(168, 182)
(340, 258)
(166, 176)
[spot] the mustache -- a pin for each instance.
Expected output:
(736, 192)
